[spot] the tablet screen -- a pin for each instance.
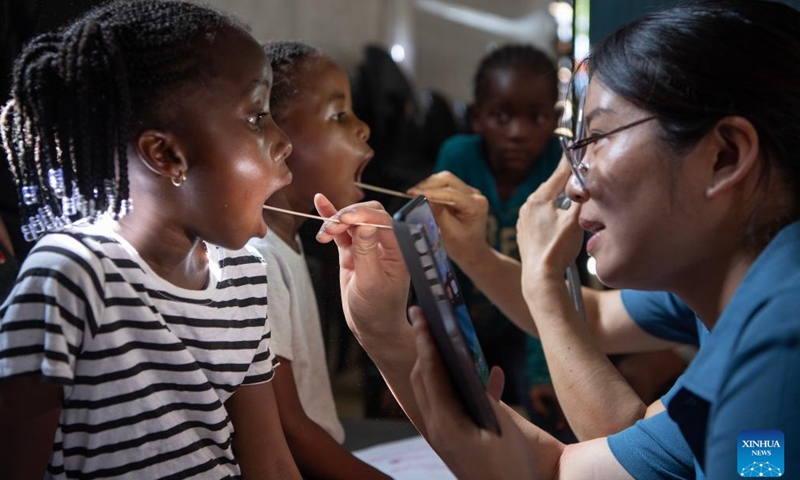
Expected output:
(423, 228)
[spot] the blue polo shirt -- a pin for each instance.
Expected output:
(747, 375)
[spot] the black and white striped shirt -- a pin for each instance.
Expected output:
(146, 366)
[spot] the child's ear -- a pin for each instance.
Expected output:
(159, 151)
(475, 123)
(736, 145)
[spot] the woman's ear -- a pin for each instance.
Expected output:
(160, 153)
(736, 144)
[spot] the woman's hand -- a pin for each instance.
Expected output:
(548, 236)
(470, 452)
(373, 276)
(463, 225)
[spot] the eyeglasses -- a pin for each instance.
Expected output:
(571, 132)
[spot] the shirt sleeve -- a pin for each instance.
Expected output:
(662, 315)
(760, 390)
(653, 449)
(262, 368)
(57, 300)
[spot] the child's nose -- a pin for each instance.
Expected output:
(281, 149)
(518, 127)
(362, 131)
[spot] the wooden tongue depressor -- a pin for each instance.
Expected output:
(367, 186)
(317, 217)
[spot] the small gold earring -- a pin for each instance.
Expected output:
(178, 181)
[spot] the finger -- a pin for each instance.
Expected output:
(557, 181)
(496, 382)
(342, 220)
(455, 199)
(325, 209)
(440, 180)
(374, 248)
(445, 187)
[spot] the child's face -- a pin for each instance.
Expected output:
(516, 116)
(330, 142)
(234, 151)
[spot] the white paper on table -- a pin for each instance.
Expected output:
(407, 459)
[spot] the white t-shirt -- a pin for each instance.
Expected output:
(296, 330)
(146, 366)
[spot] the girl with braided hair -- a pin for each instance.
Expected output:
(136, 340)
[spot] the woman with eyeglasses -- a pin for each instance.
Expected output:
(686, 170)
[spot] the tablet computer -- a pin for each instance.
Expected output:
(442, 301)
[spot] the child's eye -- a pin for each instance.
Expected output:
(501, 116)
(257, 121)
(338, 116)
(539, 118)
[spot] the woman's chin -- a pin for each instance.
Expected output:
(618, 276)
(609, 275)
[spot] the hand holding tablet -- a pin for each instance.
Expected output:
(440, 297)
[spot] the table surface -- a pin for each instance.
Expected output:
(362, 433)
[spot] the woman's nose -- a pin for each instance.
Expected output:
(576, 190)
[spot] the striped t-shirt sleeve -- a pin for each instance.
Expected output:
(262, 368)
(55, 303)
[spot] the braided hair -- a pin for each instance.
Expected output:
(80, 94)
(517, 56)
(285, 58)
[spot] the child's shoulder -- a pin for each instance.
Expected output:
(81, 241)
(278, 255)
(235, 265)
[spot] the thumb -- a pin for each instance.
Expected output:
(365, 253)
(496, 382)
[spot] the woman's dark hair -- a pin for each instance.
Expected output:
(694, 64)
(285, 58)
(516, 56)
(79, 95)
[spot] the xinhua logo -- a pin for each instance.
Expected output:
(760, 453)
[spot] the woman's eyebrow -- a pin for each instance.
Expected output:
(597, 112)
